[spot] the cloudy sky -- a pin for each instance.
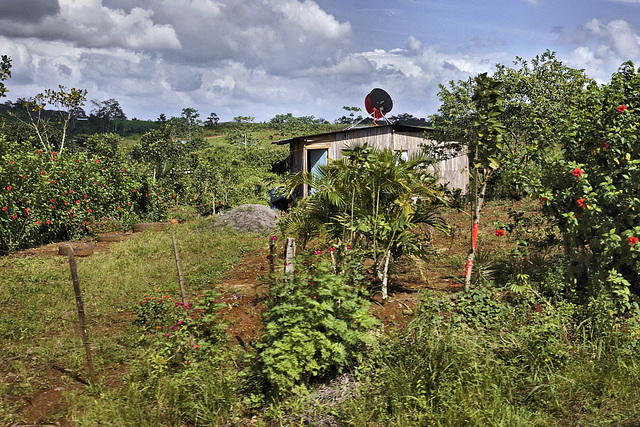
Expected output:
(307, 57)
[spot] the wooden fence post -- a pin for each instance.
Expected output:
(180, 279)
(81, 316)
(289, 253)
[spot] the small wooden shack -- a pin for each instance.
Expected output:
(306, 152)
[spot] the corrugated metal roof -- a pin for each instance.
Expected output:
(319, 136)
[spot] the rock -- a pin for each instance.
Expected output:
(255, 219)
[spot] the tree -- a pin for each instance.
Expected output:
(371, 199)
(537, 95)
(591, 189)
(107, 112)
(486, 152)
(289, 126)
(5, 73)
(190, 116)
(352, 116)
(240, 134)
(407, 119)
(68, 103)
(212, 120)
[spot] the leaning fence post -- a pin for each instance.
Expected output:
(175, 251)
(83, 321)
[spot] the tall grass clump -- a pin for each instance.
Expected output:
(552, 368)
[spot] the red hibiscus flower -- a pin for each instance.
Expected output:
(577, 172)
(632, 240)
(582, 202)
(500, 233)
(622, 109)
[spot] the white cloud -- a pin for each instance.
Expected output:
(603, 47)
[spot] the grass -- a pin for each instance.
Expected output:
(489, 357)
(39, 316)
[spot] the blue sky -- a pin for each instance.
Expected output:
(265, 57)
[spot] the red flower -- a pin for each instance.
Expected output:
(577, 172)
(9, 188)
(42, 173)
(39, 151)
(622, 109)
(500, 233)
(4, 208)
(582, 202)
(97, 161)
(14, 217)
(632, 240)
(38, 222)
(48, 222)
(544, 199)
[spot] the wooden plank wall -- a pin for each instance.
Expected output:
(453, 172)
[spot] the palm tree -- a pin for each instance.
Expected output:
(371, 199)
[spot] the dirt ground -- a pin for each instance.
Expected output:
(245, 293)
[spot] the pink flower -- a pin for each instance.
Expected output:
(500, 233)
(577, 172)
(274, 238)
(318, 252)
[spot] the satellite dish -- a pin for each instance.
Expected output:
(378, 103)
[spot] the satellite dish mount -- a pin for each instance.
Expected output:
(378, 103)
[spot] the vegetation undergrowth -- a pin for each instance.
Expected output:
(40, 317)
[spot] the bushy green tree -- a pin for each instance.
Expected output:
(538, 95)
(592, 189)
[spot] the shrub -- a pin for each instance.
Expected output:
(47, 197)
(317, 323)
